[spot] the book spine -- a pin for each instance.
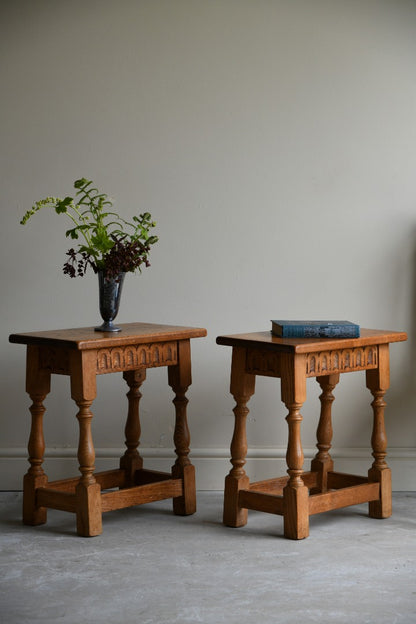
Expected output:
(310, 331)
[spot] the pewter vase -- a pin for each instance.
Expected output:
(109, 292)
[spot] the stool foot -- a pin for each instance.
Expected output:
(296, 512)
(33, 515)
(89, 514)
(234, 515)
(381, 508)
(185, 505)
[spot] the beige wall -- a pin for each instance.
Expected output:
(275, 144)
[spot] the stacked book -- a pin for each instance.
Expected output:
(315, 329)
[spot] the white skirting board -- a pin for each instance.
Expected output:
(212, 465)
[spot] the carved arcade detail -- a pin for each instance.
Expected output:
(133, 357)
(264, 362)
(341, 361)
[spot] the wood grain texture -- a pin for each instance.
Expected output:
(296, 512)
(378, 382)
(56, 499)
(293, 360)
(242, 387)
(88, 509)
(267, 340)
(141, 494)
(344, 497)
(38, 385)
(86, 338)
(131, 460)
(82, 354)
(322, 461)
(261, 501)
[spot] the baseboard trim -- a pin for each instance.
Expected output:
(212, 464)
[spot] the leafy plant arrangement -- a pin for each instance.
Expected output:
(110, 244)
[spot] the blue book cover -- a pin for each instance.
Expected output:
(315, 329)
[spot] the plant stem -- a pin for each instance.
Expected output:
(83, 220)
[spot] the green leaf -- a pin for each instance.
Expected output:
(82, 182)
(102, 241)
(72, 233)
(62, 206)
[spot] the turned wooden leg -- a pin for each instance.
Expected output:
(131, 460)
(322, 462)
(378, 383)
(37, 386)
(295, 493)
(242, 388)
(88, 491)
(179, 377)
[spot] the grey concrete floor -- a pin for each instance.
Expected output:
(151, 567)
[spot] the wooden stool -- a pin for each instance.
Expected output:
(83, 354)
(302, 494)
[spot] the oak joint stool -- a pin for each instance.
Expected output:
(83, 354)
(302, 494)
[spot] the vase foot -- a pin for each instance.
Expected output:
(107, 327)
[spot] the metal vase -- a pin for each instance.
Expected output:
(110, 292)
